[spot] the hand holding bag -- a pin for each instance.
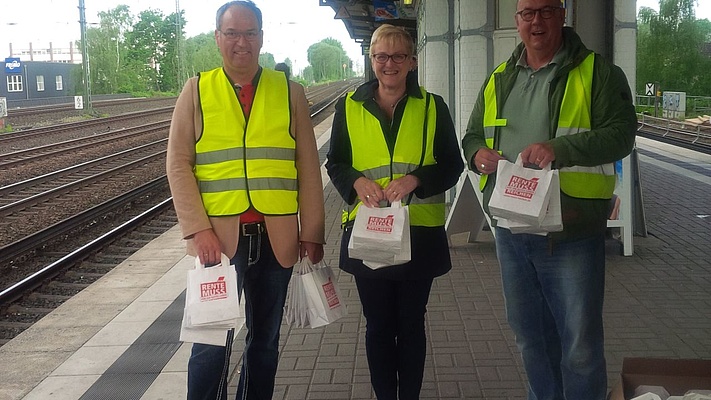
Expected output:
(211, 297)
(381, 236)
(520, 194)
(552, 222)
(201, 323)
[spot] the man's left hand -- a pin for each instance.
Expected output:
(313, 250)
(540, 154)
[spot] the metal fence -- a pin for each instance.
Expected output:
(695, 105)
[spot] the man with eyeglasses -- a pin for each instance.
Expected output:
(244, 173)
(556, 103)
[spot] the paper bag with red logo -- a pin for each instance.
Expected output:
(552, 222)
(324, 303)
(381, 236)
(211, 295)
(521, 194)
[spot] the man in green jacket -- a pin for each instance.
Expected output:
(555, 102)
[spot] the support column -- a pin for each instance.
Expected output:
(473, 55)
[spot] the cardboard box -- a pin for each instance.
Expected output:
(675, 375)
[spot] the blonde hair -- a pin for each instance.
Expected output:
(392, 34)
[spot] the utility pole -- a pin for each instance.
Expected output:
(178, 46)
(85, 58)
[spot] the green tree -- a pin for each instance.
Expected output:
(145, 48)
(266, 60)
(106, 50)
(201, 54)
(169, 58)
(327, 58)
(670, 48)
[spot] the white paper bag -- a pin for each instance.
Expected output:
(323, 296)
(215, 336)
(552, 222)
(520, 194)
(314, 298)
(381, 236)
(296, 310)
(211, 297)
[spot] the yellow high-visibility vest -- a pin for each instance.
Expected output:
(596, 182)
(414, 146)
(241, 162)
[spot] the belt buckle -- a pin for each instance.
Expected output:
(252, 228)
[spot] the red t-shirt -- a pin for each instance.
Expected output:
(246, 96)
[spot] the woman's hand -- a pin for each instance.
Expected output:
(369, 192)
(401, 187)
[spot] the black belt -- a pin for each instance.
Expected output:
(252, 228)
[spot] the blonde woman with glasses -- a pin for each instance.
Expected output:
(392, 141)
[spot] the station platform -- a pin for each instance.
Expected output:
(118, 339)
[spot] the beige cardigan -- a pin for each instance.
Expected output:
(285, 232)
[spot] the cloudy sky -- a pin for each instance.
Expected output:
(290, 26)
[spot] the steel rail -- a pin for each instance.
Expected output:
(28, 155)
(45, 130)
(33, 281)
(37, 180)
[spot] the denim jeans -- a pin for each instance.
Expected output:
(264, 282)
(554, 299)
(395, 341)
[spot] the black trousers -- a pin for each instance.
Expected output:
(395, 340)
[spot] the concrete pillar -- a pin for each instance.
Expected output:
(625, 40)
(474, 27)
(435, 49)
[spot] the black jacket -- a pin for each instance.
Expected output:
(430, 249)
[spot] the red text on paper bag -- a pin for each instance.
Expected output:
(330, 291)
(381, 224)
(213, 290)
(521, 188)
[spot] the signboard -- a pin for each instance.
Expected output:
(13, 65)
(674, 105)
(342, 13)
(649, 89)
(3, 107)
(78, 103)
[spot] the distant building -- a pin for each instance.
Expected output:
(24, 80)
(45, 52)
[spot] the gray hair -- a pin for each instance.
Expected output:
(242, 3)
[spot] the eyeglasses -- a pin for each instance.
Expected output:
(528, 14)
(382, 58)
(250, 35)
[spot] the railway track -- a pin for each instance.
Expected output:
(677, 133)
(47, 265)
(96, 104)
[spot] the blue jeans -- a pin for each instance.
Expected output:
(264, 282)
(554, 299)
(395, 341)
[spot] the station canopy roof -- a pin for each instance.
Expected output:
(362, 17)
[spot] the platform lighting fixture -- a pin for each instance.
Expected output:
(407, 2)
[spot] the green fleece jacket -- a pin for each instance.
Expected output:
(611, 138)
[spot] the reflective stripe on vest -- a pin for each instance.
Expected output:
(597, 182)
(414, 146)
(491, 109)
(241, 162)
